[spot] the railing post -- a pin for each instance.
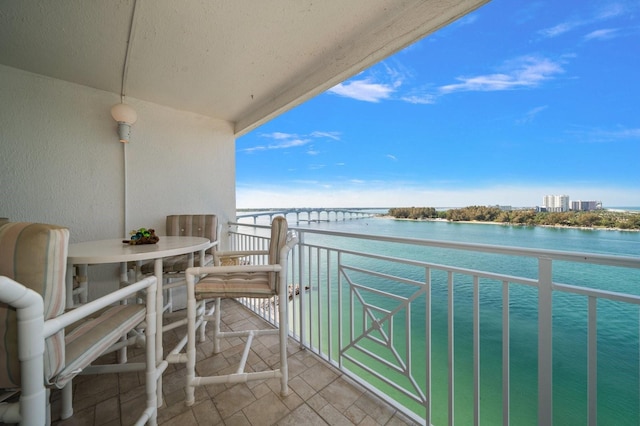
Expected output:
(301, 277)
(592, 362)
(506, 357)
(545, 342)
(476, 350)
(428, 339)
(451, 341)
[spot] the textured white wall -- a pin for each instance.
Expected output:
(61, 161)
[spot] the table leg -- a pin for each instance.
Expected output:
(69, 287)
(202, 256)
(76, 273)
(157, 267)
(201, 329)
(83, 280)
(124, 280)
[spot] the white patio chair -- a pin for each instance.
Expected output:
(174, 267)
(251, 281)
(43, 347)
(184, 225)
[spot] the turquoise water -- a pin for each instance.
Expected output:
(618, 340)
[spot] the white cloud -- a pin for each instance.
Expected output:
(381, 83)
(612, 10)
(524, 72)
(330, 135)
(279, 135)
(605, 34)
(607, 11)
(363, 90)
(419, 99)
(397, 75)
(290, 140)
(289, 143)
(603, 135)
(625, 133)
(392, 157)
(306, 182)
(531, 114)
(466, 20)
(292, 143)
(560, 29)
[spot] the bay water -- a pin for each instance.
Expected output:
(618, 324)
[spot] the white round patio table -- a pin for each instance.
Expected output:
(115, 251)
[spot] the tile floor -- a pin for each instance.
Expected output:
(320, 395)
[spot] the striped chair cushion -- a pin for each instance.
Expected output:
(235, 284)
(193, 225)
(279, 229)
(88, 339)
(187, 225)
(34, 255)
(247, 283)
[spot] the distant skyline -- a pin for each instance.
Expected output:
(518, 100)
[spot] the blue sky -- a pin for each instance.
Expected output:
(517, 100)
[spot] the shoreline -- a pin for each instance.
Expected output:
(478, 222)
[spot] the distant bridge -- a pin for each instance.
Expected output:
(317, 214)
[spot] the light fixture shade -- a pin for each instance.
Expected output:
(123, 113)
(124, 131)
(125, 116)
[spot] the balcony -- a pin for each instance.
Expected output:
(451, 333)
(388, 330)
(320, 393)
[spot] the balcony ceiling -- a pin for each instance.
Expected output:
(242, 61)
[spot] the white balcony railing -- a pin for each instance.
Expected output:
(446, 331)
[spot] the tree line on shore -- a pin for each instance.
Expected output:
(585, 219)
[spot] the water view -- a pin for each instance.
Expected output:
(618, 339)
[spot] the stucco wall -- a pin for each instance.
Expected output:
(61, 161)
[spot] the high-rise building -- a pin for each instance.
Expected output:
(586, 205)
(556, 203)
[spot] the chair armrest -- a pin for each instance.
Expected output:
(240, 253)
(232, 257)
(30, 314)
(20, 297)
(56, 324)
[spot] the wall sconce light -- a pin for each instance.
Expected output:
(125, 116)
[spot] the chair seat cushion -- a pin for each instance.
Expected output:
(176, 264)
(88, 339)
(235, 284)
